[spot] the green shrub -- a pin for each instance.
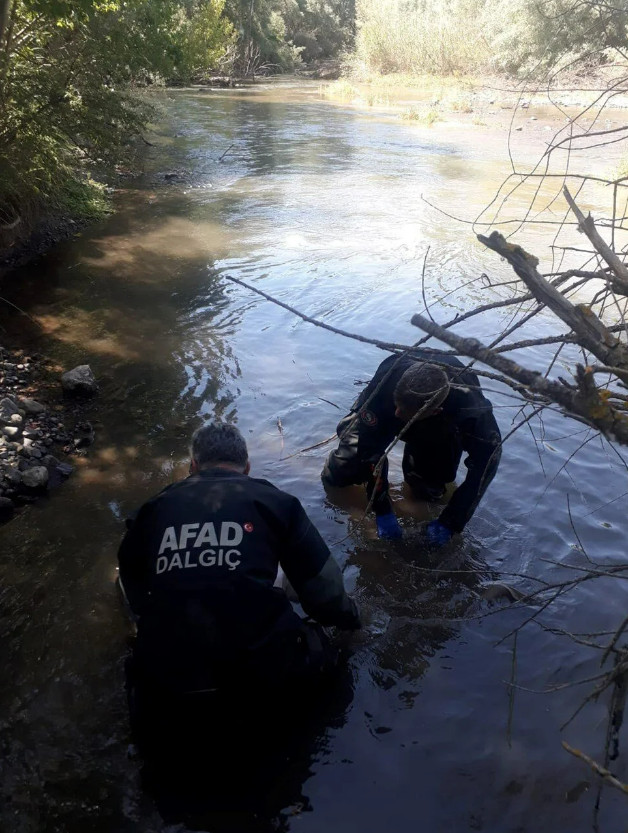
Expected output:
(67, 104)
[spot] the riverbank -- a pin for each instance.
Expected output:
(430, 98)
(78, 203)
(48, 231)
(42, 433)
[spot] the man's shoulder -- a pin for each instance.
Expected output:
(262, 486)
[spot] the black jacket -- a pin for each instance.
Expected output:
(466, 416)
(198, 566)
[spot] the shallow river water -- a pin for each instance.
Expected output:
(319, 204)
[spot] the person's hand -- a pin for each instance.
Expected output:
(437, 533)
(388, 526)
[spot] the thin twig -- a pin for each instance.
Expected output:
(604, 773)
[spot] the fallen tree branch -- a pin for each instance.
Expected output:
(584, 401)
(604, 773)
(591, 332)
(587, 226)
(391, 347)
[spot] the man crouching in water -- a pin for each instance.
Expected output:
(442, 412)
(217, 643)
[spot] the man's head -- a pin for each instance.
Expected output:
(219, 444)
(420, 384)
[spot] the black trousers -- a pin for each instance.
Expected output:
(430, 461)
(211, 750)
(349, 465)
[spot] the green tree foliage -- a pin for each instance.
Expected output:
(320, 28)
(462, 36)
(533, 35)
(281, 34)
(204, 39)
(67, 71)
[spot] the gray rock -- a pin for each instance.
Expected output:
(7, 508)
(31, 406)
(13, 478)
(79, 381)
(16, 419)
(58, 472)
(7, 408)
(11, 431)
(35, 479)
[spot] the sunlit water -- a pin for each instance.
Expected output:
(320, 205)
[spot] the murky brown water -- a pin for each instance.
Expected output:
(319, 204)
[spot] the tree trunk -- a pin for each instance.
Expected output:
(5, 12)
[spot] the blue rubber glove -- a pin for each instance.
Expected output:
(388, 526)
(437, 534)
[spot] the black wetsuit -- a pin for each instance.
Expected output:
(198, 566)
(434, 445)
(224, 674)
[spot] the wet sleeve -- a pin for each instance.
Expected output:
(133, 564)
(315, 575)
(375, 431)
(482, 441)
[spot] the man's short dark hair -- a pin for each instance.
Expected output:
(421, 383)
(219, 442)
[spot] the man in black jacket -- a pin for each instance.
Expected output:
(441, 410)
(198, 566)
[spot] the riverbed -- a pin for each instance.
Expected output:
(329, 208)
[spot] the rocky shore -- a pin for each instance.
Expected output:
(43, 425)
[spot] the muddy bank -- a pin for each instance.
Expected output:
(47, 233)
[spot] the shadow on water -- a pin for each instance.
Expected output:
(238, 762)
